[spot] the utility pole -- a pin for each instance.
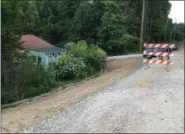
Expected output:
(142, 24)
(166, 27)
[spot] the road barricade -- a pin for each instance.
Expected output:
(167, 53)
(147, 45)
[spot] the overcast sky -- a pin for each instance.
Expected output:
(177, 11)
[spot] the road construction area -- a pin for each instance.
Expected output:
(125, 99)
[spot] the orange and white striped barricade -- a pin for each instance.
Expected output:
(147, 45)
(159, 54)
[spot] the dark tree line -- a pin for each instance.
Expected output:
(112, 25)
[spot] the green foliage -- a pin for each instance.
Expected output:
(130, 43)
(81, 60)
(86, 21)
(98, 22)
(69, 45)
(178, 34)
(93, 56)
(156, 20)
(69, 67)
(26, 80)
(10, 29)
(97, 58)
(112, 27)
(80, 49)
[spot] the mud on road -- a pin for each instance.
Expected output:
(16, 119)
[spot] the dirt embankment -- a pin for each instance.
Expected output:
(15, 119)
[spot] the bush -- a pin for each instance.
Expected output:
(93, 56)
(97, 57)
(80, 50)
(69, 45)
(38, 81)
(80, 60)
(69, 67)
(26, 80)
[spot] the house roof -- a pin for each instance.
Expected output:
(48, 50)
(31, 41)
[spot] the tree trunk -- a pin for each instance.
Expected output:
(142, 24)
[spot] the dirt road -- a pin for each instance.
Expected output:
(148, 101)
(30, 113)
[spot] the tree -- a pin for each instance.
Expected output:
(112, 27)
(178, 31)
(87, 21)
(104, 23)
(156, 16)
(10, 29)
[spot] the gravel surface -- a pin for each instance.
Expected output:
(148, 101)
(124, 56)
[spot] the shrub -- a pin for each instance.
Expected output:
(93, 56)
(69, 45)
(80, 50)
(26, 80)
(38, 81)
(69, 67)
(97, 57)
(81, 60)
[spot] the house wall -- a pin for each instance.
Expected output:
(53, 57)
(46, 59)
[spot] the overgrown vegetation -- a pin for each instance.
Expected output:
(28, 79)
(69, 67)
(109, 27)
(79, 61)
(25, 80)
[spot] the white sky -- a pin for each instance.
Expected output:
(177, 11)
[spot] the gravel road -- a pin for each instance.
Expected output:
(124, 56)
(148, 101)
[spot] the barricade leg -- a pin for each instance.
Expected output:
(167, 68)
(147, 66)
(167, 65)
